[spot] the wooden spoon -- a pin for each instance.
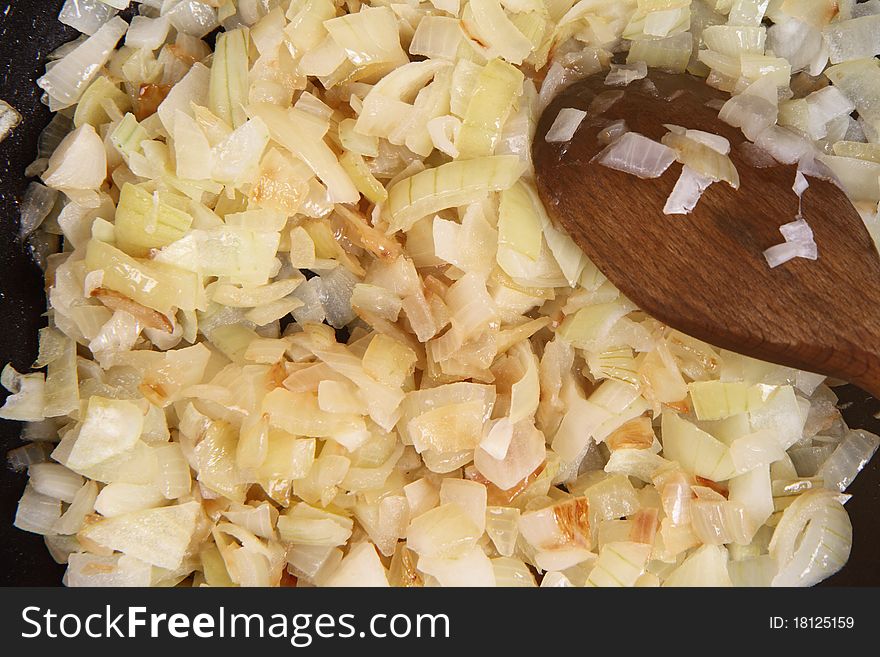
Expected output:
(704, 273)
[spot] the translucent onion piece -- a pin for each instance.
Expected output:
(635, 154)
(703, 159)
(495, 29)
(87, 16)
(848, 459)
(687, 192)
(70, 76)
(36, 206)
(812, 540)
(623, 74)
(449, 185)
(781, 253)
(157, 536)
(707, 566)
(853, 39)
(565, 125)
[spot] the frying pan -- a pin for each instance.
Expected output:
(29, 30)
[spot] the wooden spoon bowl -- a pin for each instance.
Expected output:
(704, 273)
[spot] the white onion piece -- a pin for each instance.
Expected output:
(800, 43)
(812, 540)
(858, 38)
(851, 455)
(36, 206)
(797, 231)
(443, 131)
(558, 78)
(611, 132)
(9, 118)
(193, 17)
(752, 114)
(638, 155)
(30, 454)
(496, 440)
(565, 125)
(784, 145)
(36, 512)
(87, 16)
(779, 254)
(525, 453)
(800, 185)
(79, 162)
(713, 141)
(66, 80)
(55, 481)
(825, 106)
(687, 192)
(622, 74)
(149, 33)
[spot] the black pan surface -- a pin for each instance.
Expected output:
(29, 30)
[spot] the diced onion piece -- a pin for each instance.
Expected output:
(36, 512)
(565, 125)
(564, 524)
(670, 54)
(445, 531)
(496, 88)
(525, 454)
(620, 563)
(54, 480)
(449, 185)
(471, 568)
(638, 155)
(67, 79)
(706, 566)
(687, 192)
(853, 39)
(779, 254)
(110, 428)
(79, 162)
(87, 16)
(733, 40)
(697, 451)
(156, 536)
(149, 33)
(290, 129)
(848, 459)
(812, 540)
(704, 160)
(623, 74)
(491, 24)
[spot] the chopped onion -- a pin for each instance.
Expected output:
(853, 39)
(36, 206)
(707, 566)
(54, 480)
(812, 540)
(781, 253)
(87, 16)
(848, 459)
(565, 125)
(312, 324)
(67, 79)
(687, 192)
(149, 33)
(635, 154)
(623, 74)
